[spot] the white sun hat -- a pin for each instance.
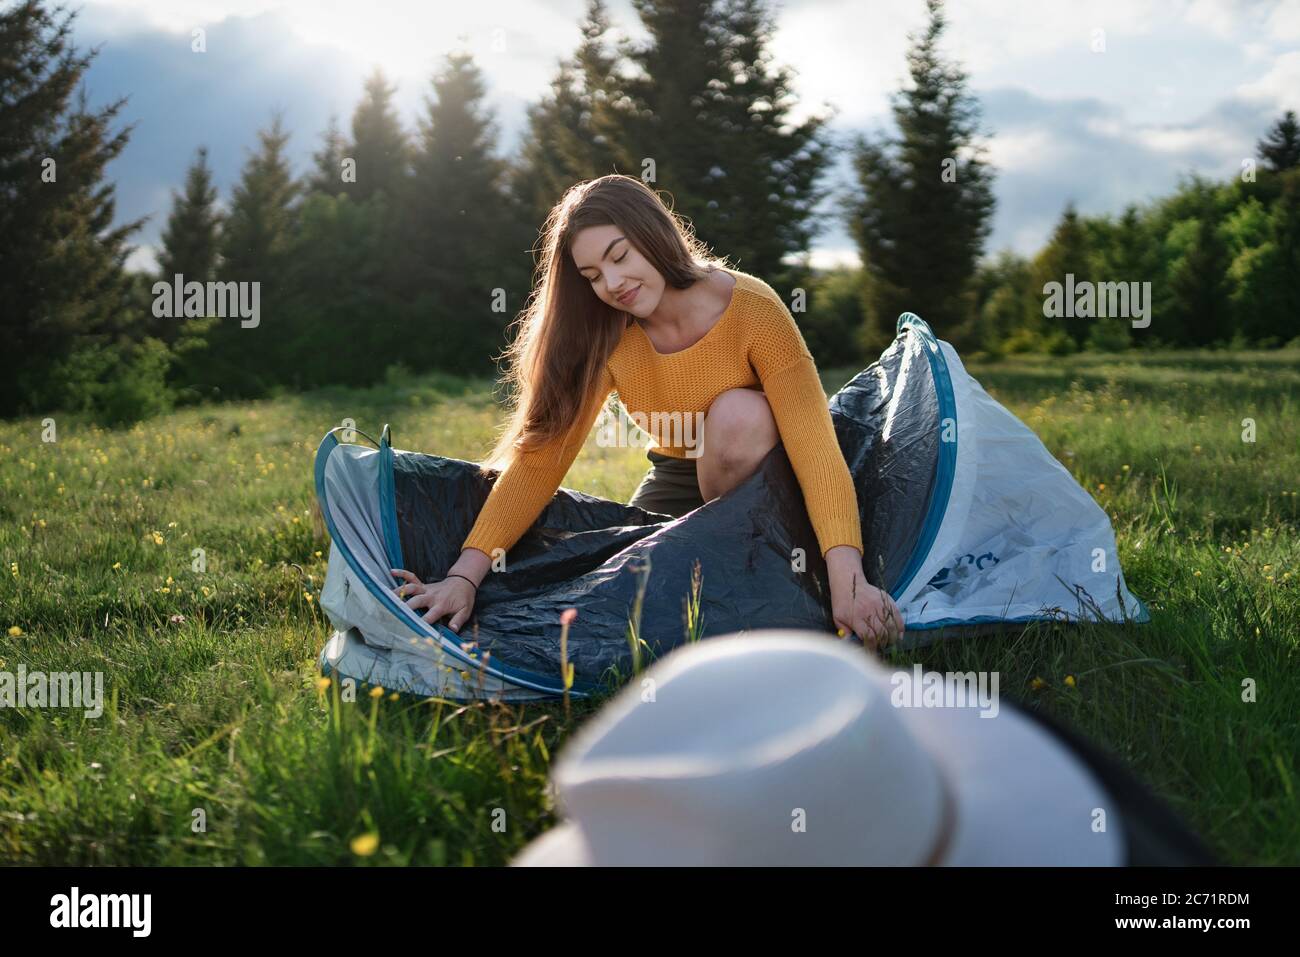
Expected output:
(789, 748)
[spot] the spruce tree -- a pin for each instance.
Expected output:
(566, 141)
(767, 199)
(707, 106)
(1280, 147)
(1065, 254)
(379, 144)
(62, 284)
(460, 236)
(257, 230)
(327, 163)
(255, 245)
(190, 245)
(190, 239)
(925, 196)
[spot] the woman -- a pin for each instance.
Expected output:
(630, 301)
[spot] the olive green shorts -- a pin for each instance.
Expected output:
(670, 487)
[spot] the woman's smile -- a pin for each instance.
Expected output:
(627, 297)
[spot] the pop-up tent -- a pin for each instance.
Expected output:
(967, 520)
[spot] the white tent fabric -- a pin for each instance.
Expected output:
(1019, 540)
(379, 640)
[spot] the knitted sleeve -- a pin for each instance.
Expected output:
(523, 490)
(784, 365)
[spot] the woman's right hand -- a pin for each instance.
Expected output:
(451, 596)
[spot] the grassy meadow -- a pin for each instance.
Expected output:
(219, 743)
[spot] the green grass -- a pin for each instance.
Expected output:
(220, 711)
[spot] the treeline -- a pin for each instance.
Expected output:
(400, 246)
(412, 246)
(1222, 261)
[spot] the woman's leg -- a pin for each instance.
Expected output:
(738, 433)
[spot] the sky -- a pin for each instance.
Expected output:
(1101, 104)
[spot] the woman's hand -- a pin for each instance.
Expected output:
(451, 596)
(858, 606)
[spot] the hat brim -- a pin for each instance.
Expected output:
(561, 846)
(1022, 797)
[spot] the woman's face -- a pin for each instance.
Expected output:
(613, 266)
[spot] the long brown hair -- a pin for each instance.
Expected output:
(566, 333)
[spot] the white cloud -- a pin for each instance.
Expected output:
(1025, 149)
(1284, 22)
(1281, 84)
(143, 258)
(1184, 139)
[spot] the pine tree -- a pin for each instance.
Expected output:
(255, 245)
(703, 111)
(1280, 147)
(661, 124)
(379, 144)
(764, 205)
(926, 196)
(190, 243)
(327, 163)
(258, 228)
(460, 236)
(62, 284)
(1065, 254)
(190, 239)
(566, 140)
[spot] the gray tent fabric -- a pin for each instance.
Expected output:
(967, 521)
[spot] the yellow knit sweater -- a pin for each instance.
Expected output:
(755, 343)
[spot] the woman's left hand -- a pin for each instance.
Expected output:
(858, 606)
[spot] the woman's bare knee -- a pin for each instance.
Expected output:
(738, 432)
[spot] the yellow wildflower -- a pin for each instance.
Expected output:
(363, 845)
